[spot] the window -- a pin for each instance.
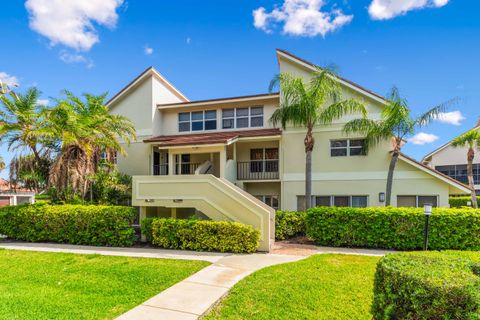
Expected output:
(347, 147)
(256, 117)
(184, 121)
(416, 201)
(245, 117)
(271, 201)
(197, 121)
(337, 201)
(264, 160)
(228, 118)
(459, 172)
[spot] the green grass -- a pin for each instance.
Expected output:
(37, 285)
(320, 287)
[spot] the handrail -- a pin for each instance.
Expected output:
(258, 170)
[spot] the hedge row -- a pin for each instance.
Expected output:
(394, 228)
(458, 202)
(427, 285)
(201, 235)
(289, 224)
(74, 224)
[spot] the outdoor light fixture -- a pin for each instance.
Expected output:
(381, 197)
(149, 200)
(427, 211)
(177, 200)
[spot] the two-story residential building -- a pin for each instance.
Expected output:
(223, 158)
(452, 161)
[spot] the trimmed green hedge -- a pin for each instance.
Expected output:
(458, 202)
(394, 228)
(74, 224)
(289, 224)
(202, 235)
(427, 285)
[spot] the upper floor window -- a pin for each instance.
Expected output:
(197, 121)
(247, 117)
(347, 147)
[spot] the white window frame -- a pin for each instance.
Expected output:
(348, 147)
(249, 117)
(263, 199)
(203, 120)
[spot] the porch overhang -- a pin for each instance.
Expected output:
(212, 139)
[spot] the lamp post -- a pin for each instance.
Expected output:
(427, 211)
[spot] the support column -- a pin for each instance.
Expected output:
(171, 163)
(14, 201)
(235, 151)
(143, 215)
(173, 212)
(223, 161)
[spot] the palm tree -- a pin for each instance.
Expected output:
(2, 164)
(20, 123)
(471, 139)
(396, 124)
(83, 130)
(309, 104)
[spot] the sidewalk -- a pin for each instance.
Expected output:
(194, 296)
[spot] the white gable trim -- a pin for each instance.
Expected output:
(150, 72)
(435, 174)
(295, 60)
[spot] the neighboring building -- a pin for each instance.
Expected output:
(453, 162)
(12, 197)
(248, 160)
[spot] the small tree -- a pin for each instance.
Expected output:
(470, 139)
(396, 124)
(306, 105)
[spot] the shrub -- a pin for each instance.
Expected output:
(427, 285)
(458, 202)
(203, 235)
(74, 224)
(289, 224)
(394, 228)
(146, 228)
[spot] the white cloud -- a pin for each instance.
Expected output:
(454, 117)
(188, 40)
(147, 50)
(71, 23)
(43, 102)
(72, 57)
(7, 79)
(301, 18)
(422, 138)
(388, 9)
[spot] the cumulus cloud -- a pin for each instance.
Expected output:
(71, 23)
(454, 117)
(43, 102)
(147, 50)
(388, 9)
(8, 79)
(301, 18)
(422, 138)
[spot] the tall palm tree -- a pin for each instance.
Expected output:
(84, 129)
(470, 139)
(20, 123)
(2, 164)
(396, 124)
(309, 104)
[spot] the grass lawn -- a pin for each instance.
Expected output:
(320, 287)
(37, 285)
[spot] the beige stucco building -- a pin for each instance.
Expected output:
(224, 158)
(452, 161)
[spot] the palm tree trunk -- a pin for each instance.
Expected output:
(309, 143)
(471, 183)
(391, 169)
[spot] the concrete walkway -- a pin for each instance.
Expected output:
(194, 296)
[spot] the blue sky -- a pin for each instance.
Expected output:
(428, 48)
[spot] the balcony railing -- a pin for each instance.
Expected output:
(160, 170)
(258, 170)
(186, 168)
(180, 168)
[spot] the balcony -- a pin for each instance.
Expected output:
(179, 169)
(258, 170)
